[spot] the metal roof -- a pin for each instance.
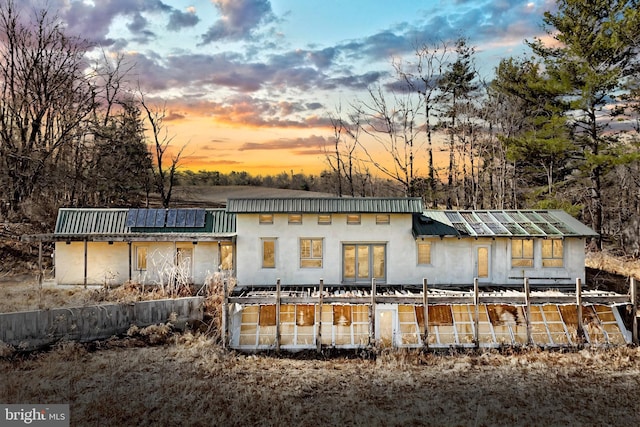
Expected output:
(499, 223)
(326, 205)
(113, 222)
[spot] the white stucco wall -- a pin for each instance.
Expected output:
(453, 261)
(110, 263)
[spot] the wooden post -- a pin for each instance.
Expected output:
(476, 317)
(40, 270)
(130, 259)
(319, 334)
(425, 313)
(527, 301)
(372, 314)
(579, 308)
(85, 263)
(634, 311)
(278, 314)
(225, 313)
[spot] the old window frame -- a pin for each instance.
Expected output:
(271, 262)
(265, 218)
(521, 256)
(311, 256)
(142, 258)
(295, 219)
(420, 260)
(554, 258)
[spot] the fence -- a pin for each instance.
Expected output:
(30, 330)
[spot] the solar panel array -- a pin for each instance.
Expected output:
(165, 218)
(507, 223)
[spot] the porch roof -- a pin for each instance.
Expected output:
(98, 224)
(499, 223)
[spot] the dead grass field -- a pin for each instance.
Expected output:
(191, 381)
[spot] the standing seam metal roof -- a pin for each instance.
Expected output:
(326, 205)
(500, 223)
(73, 221)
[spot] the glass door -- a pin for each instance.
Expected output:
(363, 262)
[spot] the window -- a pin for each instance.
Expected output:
(353, 219)
(521, 253)
(310, 253)
(268, 253)
(295, 219)
(424, 253)
(324, 219)
(383, 219)
(265, 218)
(552, 253)
(141, 258)
(226, 256)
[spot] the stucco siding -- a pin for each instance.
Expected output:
(400, 247)
(109, 263)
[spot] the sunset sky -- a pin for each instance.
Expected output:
(249, 84)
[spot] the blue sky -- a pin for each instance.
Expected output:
(249, 83)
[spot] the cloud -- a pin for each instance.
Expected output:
(239, 19)
(179, 20)
(309, 145)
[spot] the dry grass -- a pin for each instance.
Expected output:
(605, 261)
(191, 381)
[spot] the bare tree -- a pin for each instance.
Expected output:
(46, 99)
(165, 167)
(393, 129)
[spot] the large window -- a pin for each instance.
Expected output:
(424, 253)
(310, 253)
(141, 258)
(363, 262)
(268, 253)
(521, 253)
(552, 253)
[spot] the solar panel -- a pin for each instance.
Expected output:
(200, 218)
(160, 215)
(141, 218)
(131, 218)
(181, 218)
(171, 217)
(190, 220)
(151, 218)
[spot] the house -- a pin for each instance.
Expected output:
(352, 272)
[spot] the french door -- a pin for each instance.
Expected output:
(364, 261)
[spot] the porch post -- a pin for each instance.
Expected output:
(425, 313)
(527, 301)
(634, 310)
(476, 314)
(225, 312)
(579, 308)
(372, 313)
(85, 263)
(319, 333)
(278, 315)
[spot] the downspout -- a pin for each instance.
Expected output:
(85, 263)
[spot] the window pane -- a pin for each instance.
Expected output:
(547, 248)
(342, 315)
(378, 261)
(226, 257)
(527, 248)
(363, 262)
(349, 261)
(483, 263)
(382, 219)
(557, 248)
(324, 219)
(295, 219)
(268, 253)
(267, 315)
(516, 249)
(424, 253)
(141, 258)
(266, 219)
(317, 248)
(305, 248)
